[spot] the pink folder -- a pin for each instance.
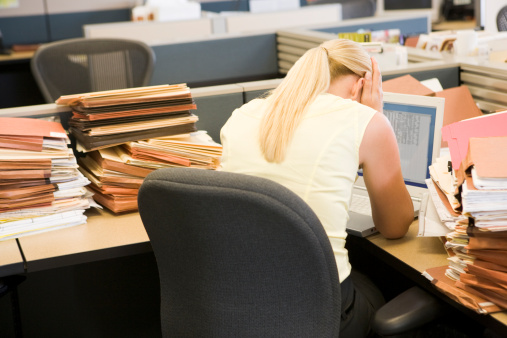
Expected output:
(457, 134)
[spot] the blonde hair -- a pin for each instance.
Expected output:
(310, 76)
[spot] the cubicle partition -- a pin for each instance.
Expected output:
(409, 24)
(217, 60)
(24, 24)
(292, 43)
(214, 106)
(210, 23)
(487, 83)
(216, 49)
(41, 21)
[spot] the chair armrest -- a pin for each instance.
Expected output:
(407, 311)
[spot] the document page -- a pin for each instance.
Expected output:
(414, 135)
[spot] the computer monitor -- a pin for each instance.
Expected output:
(417, 123)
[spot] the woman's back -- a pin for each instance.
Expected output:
(320, 164)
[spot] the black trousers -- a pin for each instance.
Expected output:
(360, 299)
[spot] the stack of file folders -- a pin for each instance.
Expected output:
(117, 172)
(125, 134)
(104, 119)
(41, 188)
(477, 243)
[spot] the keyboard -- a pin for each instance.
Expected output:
(360, 204)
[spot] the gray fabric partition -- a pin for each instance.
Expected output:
(214, 111)
(448, 77)
(253, 94)
(24, 30)
(216, 61)
(408, 27)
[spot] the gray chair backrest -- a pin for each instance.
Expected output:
(84, 65)
(238, 256)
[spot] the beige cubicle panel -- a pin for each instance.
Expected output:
(272, 21)
(65, 6)
(487, 83)
(152, 33)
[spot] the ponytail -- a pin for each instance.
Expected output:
(288, 103)
(309, 76)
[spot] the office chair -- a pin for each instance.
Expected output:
(238, 256)
(501, 19)
(84, 65)
(243, 256)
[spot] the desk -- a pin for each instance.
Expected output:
(17, 56)
(108, 236)
(411, 255)
(104, 236)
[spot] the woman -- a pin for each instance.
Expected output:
(311, 134)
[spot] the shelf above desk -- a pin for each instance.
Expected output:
(104, 236)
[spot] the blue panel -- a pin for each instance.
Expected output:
(70, 25)
(221, 6)
(231, 5)
(215, 61)
(24, 30)
(407, 27)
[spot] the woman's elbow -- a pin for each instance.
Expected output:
(398, 227)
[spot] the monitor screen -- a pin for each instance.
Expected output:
(417, 124)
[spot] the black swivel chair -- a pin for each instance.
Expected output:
(242, 256)
(85, 65)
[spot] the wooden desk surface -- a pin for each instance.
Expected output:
(420, 253)
(454, 25)
(16, 56)
(108, 236)
(104, 236)
(11, 261)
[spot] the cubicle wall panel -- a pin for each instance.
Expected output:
(448, 77)
(225, 6)
(214, 111)
(488, 95)
(250, 95)
(407, 27)
(216, 61)
(488, 85)
(70, 25)
(484, 81)
(24, 30)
